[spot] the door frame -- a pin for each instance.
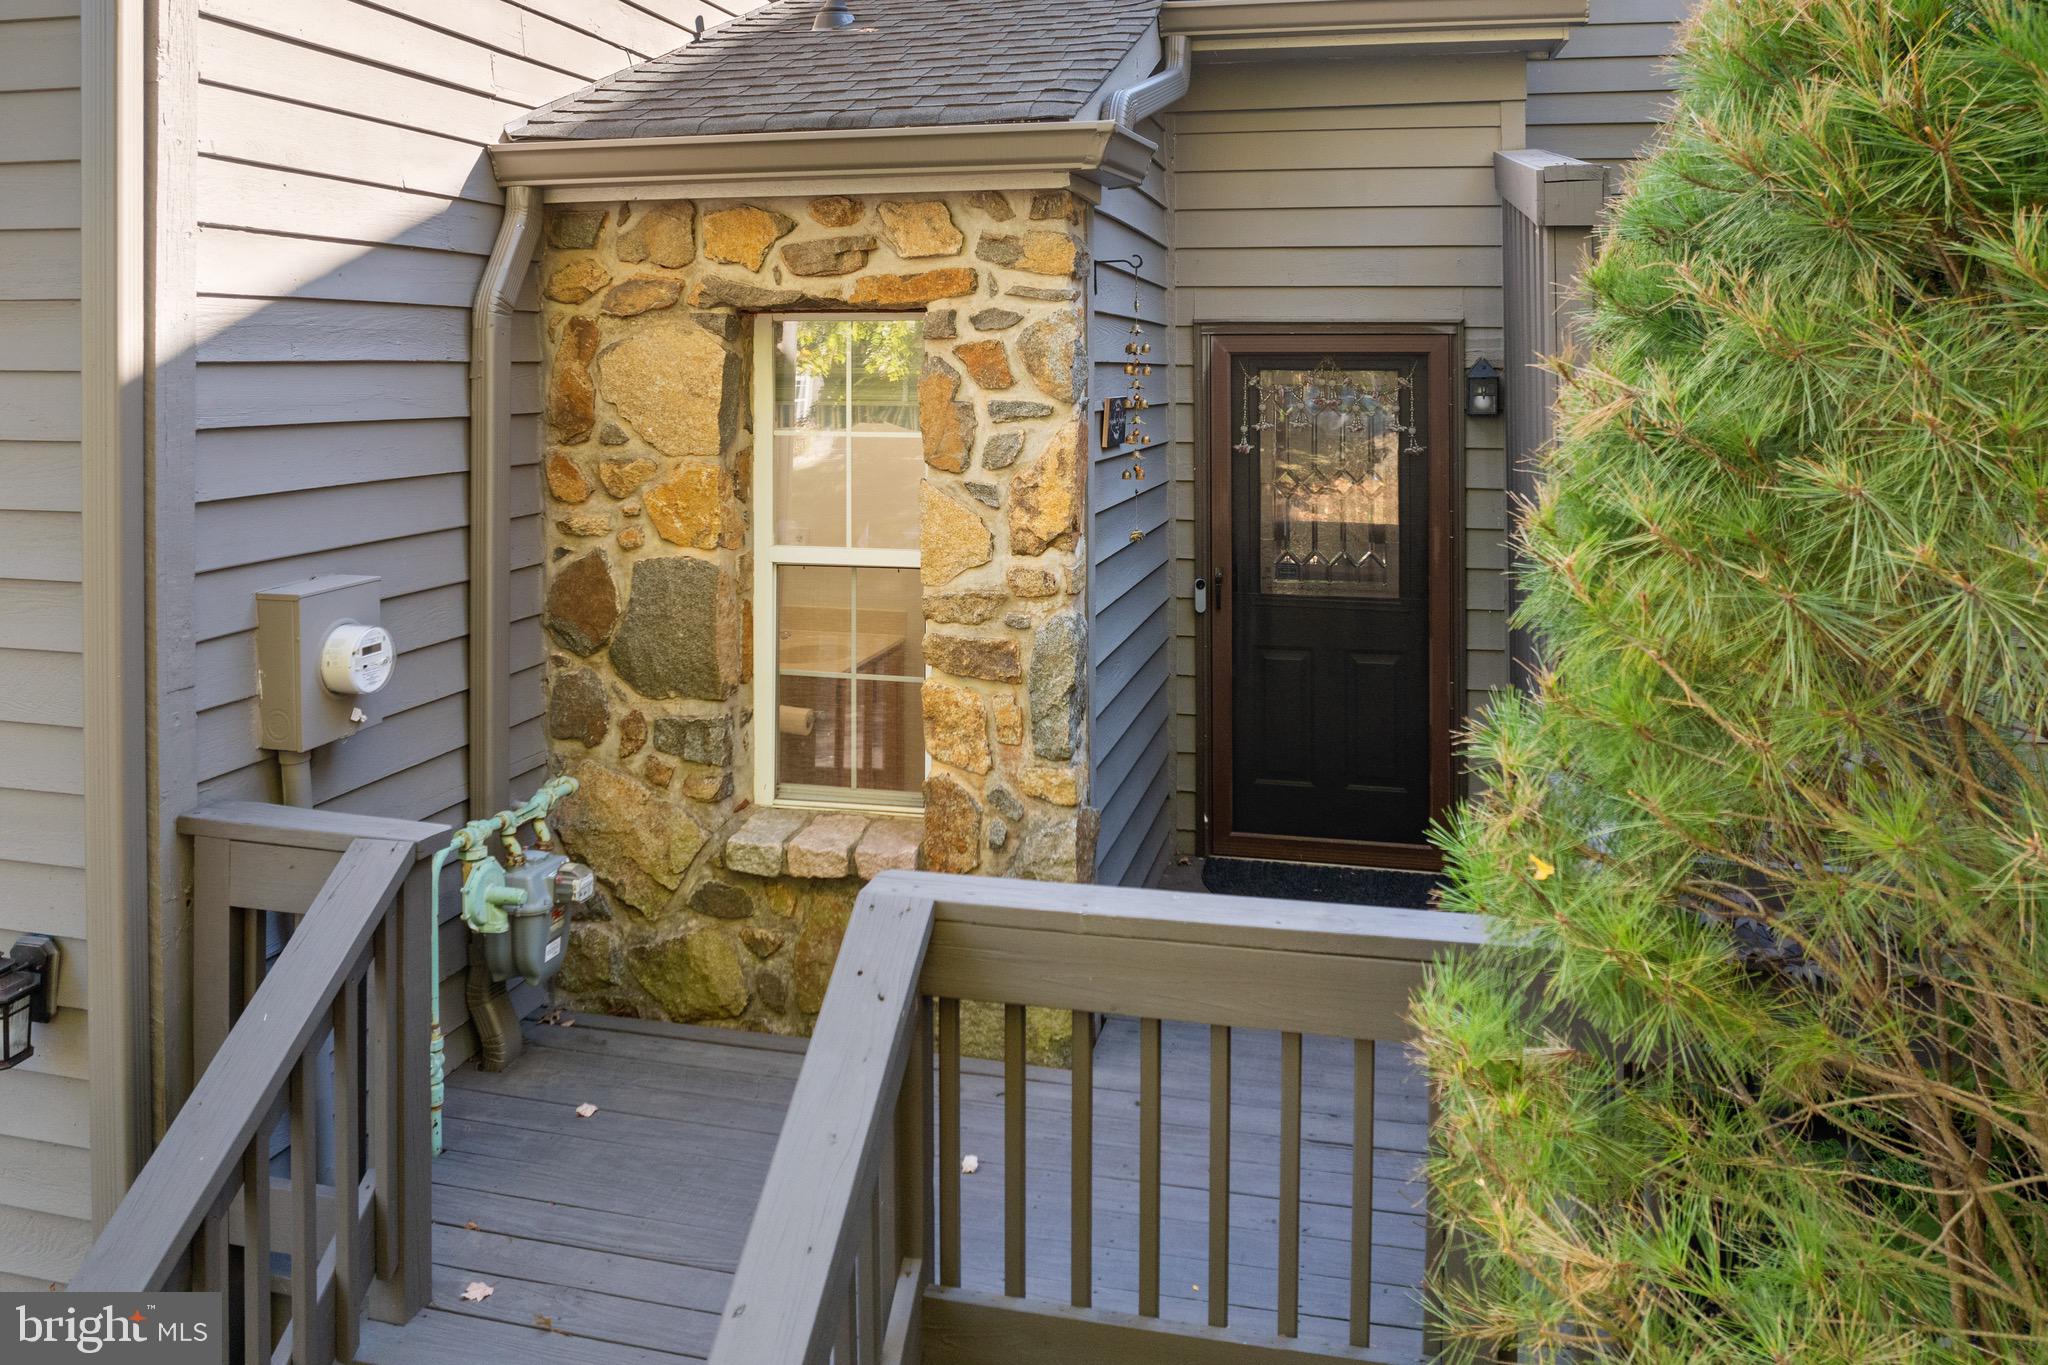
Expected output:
(1220, 346)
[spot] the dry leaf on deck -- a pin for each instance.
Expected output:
(472, 1227)
(969, 1164)
(476, 1291)
(584, 1111)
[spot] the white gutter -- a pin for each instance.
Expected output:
(1132, 105)
(990, 153)
(490, 551)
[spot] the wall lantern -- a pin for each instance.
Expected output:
(1482, 390)
(28, 986)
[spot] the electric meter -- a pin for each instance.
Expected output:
(355, 660)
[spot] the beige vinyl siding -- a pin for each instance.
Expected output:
(1355, 192)
(1604, 94)
(1130, 645)
(45, 1181)
(345, 211)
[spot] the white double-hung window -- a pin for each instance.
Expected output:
(838, 611)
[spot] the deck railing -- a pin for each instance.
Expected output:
(851, 1258)
(330, 1036)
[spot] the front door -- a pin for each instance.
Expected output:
(1328, 591)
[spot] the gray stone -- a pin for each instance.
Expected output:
(667, 642)
(719, 291)
(695, 739)
(827, 255)
(612, 434)
(721, 901)
(985, 493)
(578, 708)
(996, 319)
(1017, 620)
(1002, 450)
(1006, 802)
(1054, 686)
(998, 833)
(772, 987)
(1042, 294)
(941, 324)
(574, 228)
(1017, 410)
(756, 846)
(582, 608)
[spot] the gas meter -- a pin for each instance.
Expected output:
(537, 935)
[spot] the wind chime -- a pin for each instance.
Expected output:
(1139, 369)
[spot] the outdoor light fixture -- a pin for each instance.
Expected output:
(28, 976)
(1482, 390)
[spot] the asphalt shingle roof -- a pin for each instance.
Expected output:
(904, 63)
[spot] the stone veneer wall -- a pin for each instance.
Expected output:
(716, 910)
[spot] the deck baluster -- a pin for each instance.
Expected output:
(1363, 1060)
(1148, 1168)
(348, 1165)
(256, 1244)
(949, 1143)
(1289, 1305)
(1013, 1150)
(305, 1210)
(1082, 1217)
(1219, 1175)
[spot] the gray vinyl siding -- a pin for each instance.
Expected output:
(45, 1180)
(345, 211)
(1604, 94)
(1130, 640)
(1367, 198)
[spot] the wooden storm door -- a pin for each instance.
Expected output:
(1328, 595)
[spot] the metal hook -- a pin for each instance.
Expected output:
(1134, 264)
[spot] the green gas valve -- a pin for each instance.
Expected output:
(536, 936)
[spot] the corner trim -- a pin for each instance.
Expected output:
(1550, 189)
(113, 310)
(1096, 150)
(1283, 25)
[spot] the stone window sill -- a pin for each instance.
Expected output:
(822, 844)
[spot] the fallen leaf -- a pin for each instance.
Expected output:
(1540, 870)
(477, 1291)
(969, 1164)
(472, 1227)
(584, 1111)
(544, 1322)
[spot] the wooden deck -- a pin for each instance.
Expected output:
(613, 1239)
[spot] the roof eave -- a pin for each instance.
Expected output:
(1010, 153)
(1280, 27)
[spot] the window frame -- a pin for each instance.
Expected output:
(770, 556)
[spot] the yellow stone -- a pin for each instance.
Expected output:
(1057, 785)
(1009, 722)
(689, 508)
(662, 233)
(1033, 583)
(622, 477)
(667, 380)
(566, 480)
(1045, 500)
(899, 291)
(956, 726)
(987, 362)
(946, 423)
(577, 279)
(838, 210)
(922, 227)
(744, 234)
(1051, 253)
(953, 538)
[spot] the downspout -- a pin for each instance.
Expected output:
(1133, 104)
(490, 567)
(490, 553)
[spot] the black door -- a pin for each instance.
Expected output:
(1328, 583)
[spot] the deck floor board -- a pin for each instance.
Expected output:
(612, 1240)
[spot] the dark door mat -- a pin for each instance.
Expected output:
(1319, 882)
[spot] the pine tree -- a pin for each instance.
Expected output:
(1758, 1070)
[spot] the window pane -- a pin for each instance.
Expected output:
(886, 357)
(810, 488)
(889, 623)
(810, 375)
(814, 727)
(814, 631)
(886, 472)
(891, 735)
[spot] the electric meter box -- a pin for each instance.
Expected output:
(537, 943)
(321, 656)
